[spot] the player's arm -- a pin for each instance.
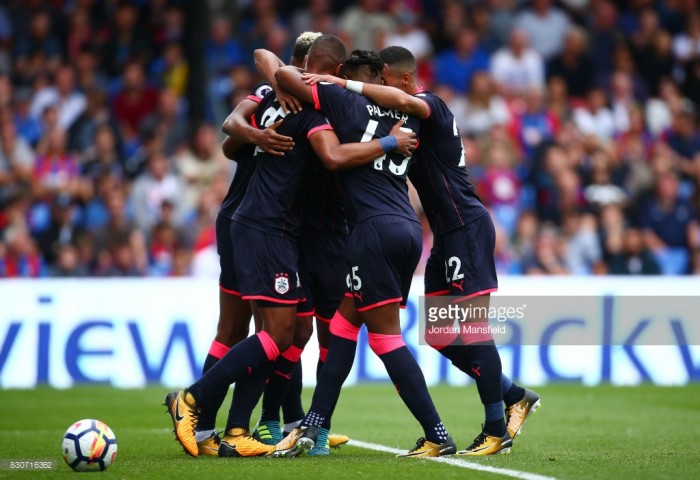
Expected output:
(230, 146)
(236, 126)
(267, 64)
(291, 80)
(337, 156)
(382, 95)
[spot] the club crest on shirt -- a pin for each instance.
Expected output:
(263, 90)
(281, 283)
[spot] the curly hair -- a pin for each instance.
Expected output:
(363, 59)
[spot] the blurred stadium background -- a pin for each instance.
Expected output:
(580, 119)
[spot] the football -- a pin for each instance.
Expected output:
(89, 445)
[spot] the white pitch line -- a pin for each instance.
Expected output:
(455, 462)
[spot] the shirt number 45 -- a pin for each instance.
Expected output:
(353, 280)
(396, 169)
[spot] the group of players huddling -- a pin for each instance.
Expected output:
(317, 222)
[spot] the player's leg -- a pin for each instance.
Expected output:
(323, 334)
(396, 252)
(278, 322)
(388, 250)
(277, 388)
(344, 331)
(292, 407)
(234, 320)
(264, 272)
(232, 327)
(329, 289)
(386, 341)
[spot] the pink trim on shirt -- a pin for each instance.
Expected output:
(317, 129)
(314, 94)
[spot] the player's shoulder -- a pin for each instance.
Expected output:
(435, 102)
(330, 88)
(428, 96)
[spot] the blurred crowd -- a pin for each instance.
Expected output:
(580, 119)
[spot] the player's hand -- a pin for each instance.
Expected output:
(272, 142)
(407, 139)
(288, 102)
(314, 78)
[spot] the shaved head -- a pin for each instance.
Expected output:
(398, 59)
(326, 55)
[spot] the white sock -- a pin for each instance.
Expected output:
(288, 427)
(202, 435)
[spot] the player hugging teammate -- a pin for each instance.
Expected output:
(289, 249)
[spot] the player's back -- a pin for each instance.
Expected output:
(245, 166)
(440, 172)
(245, 162)
(322, 200)
(271, 203)
(378, 188)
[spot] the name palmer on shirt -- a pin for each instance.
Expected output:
(375, 111)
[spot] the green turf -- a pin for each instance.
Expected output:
(580, 432)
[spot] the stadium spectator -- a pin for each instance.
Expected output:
(686, 44)
(155, 190)
(170, 69)
(55, 170)
(594, 117)
(455, 67)
(545, 26)
(500, 185)
(604, 38)
(481, 108)
(28, 127)
(167, 121)
(361, 25)
(36, 43)
(87, 74)
(629, 256)
(533, 126)
(125, 44)
(16, 161)
(314, 16)
(199, 164)
(547, 258)
(61, 230)
(96, 114)
(68, 101)
(669, 225)
(408, 33)
(134, 102)
(68, 263)
(18, 253)
(573, 64)
(516, 67)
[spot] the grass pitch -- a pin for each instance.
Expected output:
(580, 432)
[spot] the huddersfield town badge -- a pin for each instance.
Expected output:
(281, 283)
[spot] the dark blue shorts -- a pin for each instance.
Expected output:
(461, 262)
(322, 270)
(266, 265)
(224, 247)
(383, 253)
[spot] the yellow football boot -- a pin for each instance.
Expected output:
(425, 448)
(184, 411)
(238, 442)
(518, 413)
